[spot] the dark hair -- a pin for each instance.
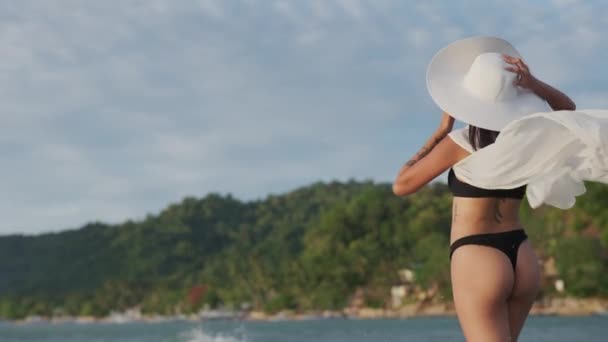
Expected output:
(481, 137)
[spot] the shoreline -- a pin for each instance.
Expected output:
(566, 307)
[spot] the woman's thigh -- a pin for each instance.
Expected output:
(525, 288)
(482, 281)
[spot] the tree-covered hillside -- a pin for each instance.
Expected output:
(311, 248)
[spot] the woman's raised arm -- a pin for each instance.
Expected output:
(436, 156)
(555, 98)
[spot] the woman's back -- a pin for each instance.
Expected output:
(477, 211)
(493, 263)
(483, 215)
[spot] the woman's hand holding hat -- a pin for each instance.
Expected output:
(447, 123)
(555, 98)
(524, 77)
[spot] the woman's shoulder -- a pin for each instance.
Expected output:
(461, 138)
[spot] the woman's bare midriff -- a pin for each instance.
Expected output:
(483, 215)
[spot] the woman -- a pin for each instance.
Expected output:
(494, 270)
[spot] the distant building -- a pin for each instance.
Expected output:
(406, 276)
(398, 293)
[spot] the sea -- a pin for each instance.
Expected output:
(537, 329)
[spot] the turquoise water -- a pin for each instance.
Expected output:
(538, 329)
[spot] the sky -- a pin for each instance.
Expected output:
(111, 110)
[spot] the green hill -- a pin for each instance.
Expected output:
(311, 248)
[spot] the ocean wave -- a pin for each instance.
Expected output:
(198, 335)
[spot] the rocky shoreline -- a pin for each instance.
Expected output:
(554, 306)
(548, 306)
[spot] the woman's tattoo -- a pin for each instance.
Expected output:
(497, 213)
(454, 211)
(426, 149)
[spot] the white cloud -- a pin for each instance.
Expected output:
(418, 37)
(354, 8)
(321, 9)
(211, 7)
(566, 3)
(111, 110)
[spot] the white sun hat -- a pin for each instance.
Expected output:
(467, 79)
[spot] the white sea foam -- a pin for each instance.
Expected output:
(198, 335)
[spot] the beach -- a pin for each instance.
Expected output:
(564, 307)
(416, 329)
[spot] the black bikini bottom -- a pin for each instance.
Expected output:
(507, 242)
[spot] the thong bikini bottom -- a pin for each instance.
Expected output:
(507, 242)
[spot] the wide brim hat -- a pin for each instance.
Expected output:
(467, 80)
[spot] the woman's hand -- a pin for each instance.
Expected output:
(524, 77)
(555, 98)
(446, 125)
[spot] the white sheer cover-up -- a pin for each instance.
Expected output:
(553, 153)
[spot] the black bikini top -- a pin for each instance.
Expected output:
(462, 189)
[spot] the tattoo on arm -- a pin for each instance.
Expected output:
(423, 151)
